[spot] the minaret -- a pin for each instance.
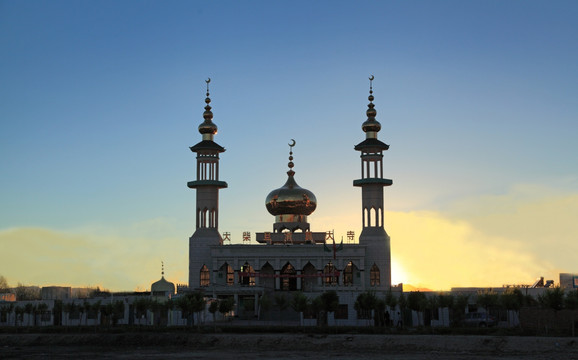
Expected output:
(207, 209)
(378, 251)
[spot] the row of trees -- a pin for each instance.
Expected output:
(510, 299)
(32, 310)
(320, 306)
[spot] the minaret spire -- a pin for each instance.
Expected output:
(291, 172)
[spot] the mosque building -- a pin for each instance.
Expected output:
(291, 257)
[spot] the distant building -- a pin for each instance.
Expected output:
(568, 281)
(8, 297)
(56, 292)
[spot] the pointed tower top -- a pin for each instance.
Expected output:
(162, 269)
(291, 172)
(371, 126)
(208, 128)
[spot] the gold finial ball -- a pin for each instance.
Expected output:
(371, 125)
(291, 164)
(371, 113)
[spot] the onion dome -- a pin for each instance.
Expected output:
(207, 127)
(291, 199)
(371, 126)
(162, 286)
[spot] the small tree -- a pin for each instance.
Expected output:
(213, 308)
(390, 300)
(432, 305)
(329, 303)
(6, 310)
(94, 310)
(402, 302)
(41, 309)
(511, 300)
(571, 300)
(487, 299)
(226, 305)
(365, 303)
(4, 288)
(198, 303)
(182, 303)
(459, 309)
(379, 314)
(29, 309)
(300, 303)
(57, 312)
(141, 306)
(69, 308)
(265, 304)
(282, 304)
(19, 311)
(552, 298)
(445, 301)
(417, 301)
(83, 309)
(317, 307)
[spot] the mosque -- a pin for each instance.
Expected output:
(291, 257)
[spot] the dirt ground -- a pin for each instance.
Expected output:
(283, 346)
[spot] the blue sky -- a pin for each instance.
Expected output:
(99, 101)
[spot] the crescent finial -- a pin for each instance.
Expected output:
(208, 80)
(371, 78)
(292, 143)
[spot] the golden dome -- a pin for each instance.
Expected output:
(291, 199)
(207, 126)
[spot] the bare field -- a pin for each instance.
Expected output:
(283, 346)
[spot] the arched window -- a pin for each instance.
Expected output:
(309, 277)
(331, 275)
(226, 271)
(374, 276)
(372, 217)
(247, 275)
(288, 278)
(267, 277)
(205, 276)
(348, 274)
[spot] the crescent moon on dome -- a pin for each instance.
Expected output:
(292, 143)
(371, 78)
(208, 80)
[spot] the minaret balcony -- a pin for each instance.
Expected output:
(202, 183)
(371, 181)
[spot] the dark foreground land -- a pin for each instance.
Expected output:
(182, 345)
